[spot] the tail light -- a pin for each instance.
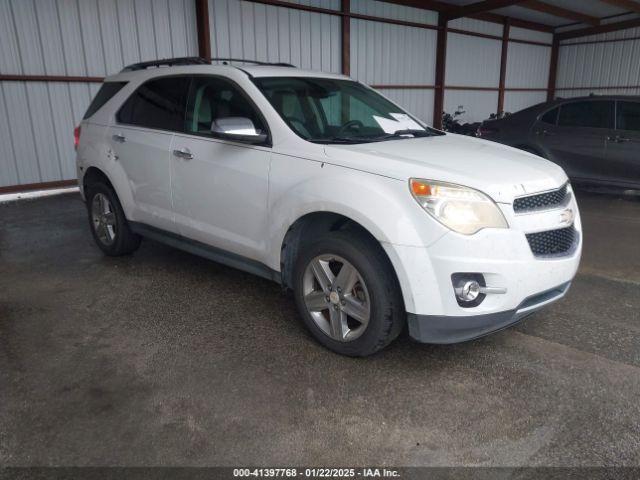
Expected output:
(76, 136)
(484, 131)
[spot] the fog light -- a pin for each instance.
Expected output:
(469, 291)
(469, 288)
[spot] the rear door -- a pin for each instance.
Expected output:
(578, 140)
(623, 146)
(141, 142)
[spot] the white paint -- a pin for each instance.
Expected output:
(244, 198)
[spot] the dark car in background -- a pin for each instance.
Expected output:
(595, 139)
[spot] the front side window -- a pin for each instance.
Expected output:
(214, 101)
(325, 110)
(158, 104)
(628, 116)
(591, 114)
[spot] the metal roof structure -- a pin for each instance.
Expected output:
(558, 16)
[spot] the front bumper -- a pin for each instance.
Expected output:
(442, 329)
(505, 260)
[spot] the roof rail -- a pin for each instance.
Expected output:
(169, 62)
(255, 62)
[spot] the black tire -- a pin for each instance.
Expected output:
(124, 241)
(387, 315)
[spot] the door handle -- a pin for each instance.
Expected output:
(183, 153)
(118, 137)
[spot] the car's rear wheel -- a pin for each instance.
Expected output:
(348, 295)
(107, 221)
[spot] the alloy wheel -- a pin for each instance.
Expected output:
(104, 218)
(336, 297)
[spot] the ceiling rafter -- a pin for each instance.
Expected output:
(605, 28)
(478, 7)
(515, 22)
(629, 5)
(440, 7)
(560, 12)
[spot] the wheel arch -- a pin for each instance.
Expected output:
(312, 225)
(95, 174)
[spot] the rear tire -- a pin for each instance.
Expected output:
(108, 223)
(356, 313)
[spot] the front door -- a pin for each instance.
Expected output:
(623, 146)
(141, 141)
(220, 187)
(578, 141)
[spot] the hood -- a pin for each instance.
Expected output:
(501, 172)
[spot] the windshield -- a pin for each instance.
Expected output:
(323, 110)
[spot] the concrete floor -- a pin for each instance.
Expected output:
(165, 358)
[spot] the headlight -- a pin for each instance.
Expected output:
(462, 209)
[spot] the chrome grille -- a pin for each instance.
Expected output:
(552, 242)
(541, 201)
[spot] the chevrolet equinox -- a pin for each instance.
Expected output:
(372, 218)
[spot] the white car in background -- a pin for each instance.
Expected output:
(372, 218)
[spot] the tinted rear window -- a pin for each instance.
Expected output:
(628, 116)
(158, 104)
(106, 93)
(591, 114)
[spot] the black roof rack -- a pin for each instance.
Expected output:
(168, 62)
(171, 62)
(255, 62)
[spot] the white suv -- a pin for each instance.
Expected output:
(374, 219)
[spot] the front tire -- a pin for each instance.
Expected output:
(347, 294)
(108, 223)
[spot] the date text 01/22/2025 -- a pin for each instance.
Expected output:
(316, 472)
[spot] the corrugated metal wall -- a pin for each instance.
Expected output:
(527, 67)
(72, 38)
(472, 62)
(254, 31)
(475, 62)
(97, 37)
(611, 64)
(395, 55)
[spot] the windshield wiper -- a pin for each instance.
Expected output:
(341, 140)
(406, 134)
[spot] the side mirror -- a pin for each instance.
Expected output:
(238, 129)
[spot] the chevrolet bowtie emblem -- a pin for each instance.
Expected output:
(567, 217)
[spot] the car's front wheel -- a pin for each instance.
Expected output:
(347, 294)
(108, 223)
